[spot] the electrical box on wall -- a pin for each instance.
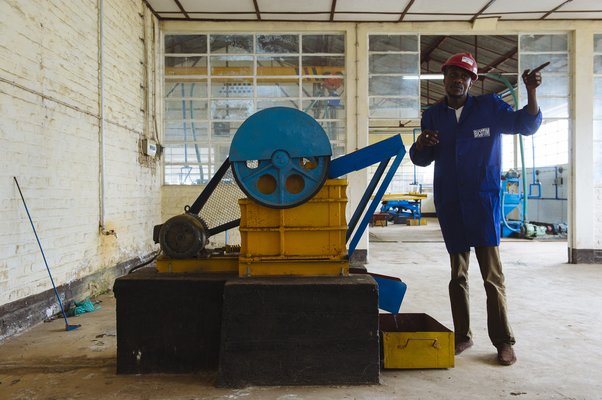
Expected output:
(149, 147)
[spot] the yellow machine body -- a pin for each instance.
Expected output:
(307, 240)
(212, 264)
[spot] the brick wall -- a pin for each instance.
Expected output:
(49, 136)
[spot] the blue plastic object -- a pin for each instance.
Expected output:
(381, 152)
(280, 157)
(391, 292)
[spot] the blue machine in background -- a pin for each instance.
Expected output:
(402, 207)
(511, 198)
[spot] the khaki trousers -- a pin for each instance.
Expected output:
(493, 279)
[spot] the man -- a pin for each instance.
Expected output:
(462, 135)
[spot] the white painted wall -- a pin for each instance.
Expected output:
(49, 136)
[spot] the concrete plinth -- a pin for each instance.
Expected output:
(299, 331)
(168, 323)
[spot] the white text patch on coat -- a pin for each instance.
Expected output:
(480, 133)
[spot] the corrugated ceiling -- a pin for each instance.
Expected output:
(374, 11)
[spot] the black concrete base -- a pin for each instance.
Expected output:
(299, 331)
(168, 322)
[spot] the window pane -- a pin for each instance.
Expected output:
(338, 149)
(219, 153)
(558, 62)
(323, 65)
(335, 130)
(277, 43)
(184, 131)
(231, 44)
(598, 132)
(185, 109)
(393, 43)
(231, 87)
(277, 88)
(543, 43)
(225, 130)
(179, 89)
(186, 65)
(232, 65)
(291, 103)
(277, 66)
(186, 174)
(393, 64)
(393, 85)
(231, 109)
(598, 97)
(598, 43)
(185, 44)
(323, 87)
(551, 144)
(386, 107)
(324, 109)
(333, 44)
(553, 86)
(552, 107)
(597, 64)
(185, 153)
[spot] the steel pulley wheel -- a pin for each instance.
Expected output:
(183, 236)
(280, 157)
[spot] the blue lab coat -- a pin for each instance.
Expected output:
(468, 166)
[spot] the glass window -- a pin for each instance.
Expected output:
(185, 44)
(276, 44)
(334, 44)
(393, 67)
(544, 43)
(393, 43)
(231, 44)
(214, 82)
(550, 145)
(597, 146)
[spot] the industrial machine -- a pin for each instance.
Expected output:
(401, 207)
(294, 214)
(287, 293)
(546, 200)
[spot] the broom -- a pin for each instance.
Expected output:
(67, 326)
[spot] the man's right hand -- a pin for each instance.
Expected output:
(426, 139)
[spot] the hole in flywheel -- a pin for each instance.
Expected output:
(252, 164)
(295, 184)
(308, 162)
(266, 184)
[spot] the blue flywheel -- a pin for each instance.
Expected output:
(280, 157)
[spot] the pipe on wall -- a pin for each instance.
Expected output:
(101, 125)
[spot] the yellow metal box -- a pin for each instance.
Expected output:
(415, 341)
(315, 230)
(416, 222)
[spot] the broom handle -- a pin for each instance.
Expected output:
(42, 250)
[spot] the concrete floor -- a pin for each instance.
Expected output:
(555, 309)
